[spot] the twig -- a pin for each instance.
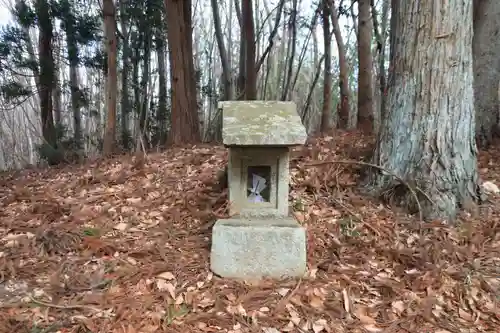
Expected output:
(98, 285)
(412, 191)
(360, 219)
(285, 299)
(65, 307)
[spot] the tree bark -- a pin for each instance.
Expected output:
(46, 71)
(249, 40)
(241, 79)
(365, 88)
(57, 98)
(125, 96)
(381, 37)
(486, 50)
(327, 86)
(161, 117)
(292, 46)
(147, 39)
(109, 13)
(224, 59)
(73, 59)
(185, 124)
(345, 92)
(427, 137)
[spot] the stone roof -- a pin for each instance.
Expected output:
(261, 123)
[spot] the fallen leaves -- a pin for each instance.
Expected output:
(316, 297)
(130, 239)
(166, 276)
(122, 226)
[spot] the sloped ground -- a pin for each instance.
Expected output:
(123, 246)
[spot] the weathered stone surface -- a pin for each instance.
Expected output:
(261, 123)
(239, 159)
(260, 240)
(249, 249)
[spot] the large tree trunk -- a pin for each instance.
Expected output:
(46, 71)
(427, 137)
(486, 48)
(185, 122)
(365, 88)
(109, 13)
(327, 86)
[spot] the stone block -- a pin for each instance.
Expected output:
(240, 159)
(261, 123)
(258, 248)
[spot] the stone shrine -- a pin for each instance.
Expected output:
(261, 239)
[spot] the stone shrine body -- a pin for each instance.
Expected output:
(261, 239)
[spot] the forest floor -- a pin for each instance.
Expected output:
(123, 245)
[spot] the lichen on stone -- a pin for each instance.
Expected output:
(261, 123)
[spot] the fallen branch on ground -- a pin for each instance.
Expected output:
(405, 183)
(65, 307)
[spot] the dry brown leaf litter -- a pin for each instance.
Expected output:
(123, 246)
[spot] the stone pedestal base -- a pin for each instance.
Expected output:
(250, 249)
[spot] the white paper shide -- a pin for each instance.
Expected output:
(258, 185)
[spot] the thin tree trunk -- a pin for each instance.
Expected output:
(272, 35)
(237, 8)
(345, 92)
(327, 86)
(73, 58)
(381, 38)
(365, 88)
(281, 63)
(241, 80)
(226, 69)
(109, 13)
(230, 49)
(125, 95)
(143, 115)
(312, 87)
(75, 105)
(161, 118)
(249, 40)
(57, 97)
(135, 82)
(305, 47)
(291, 51)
